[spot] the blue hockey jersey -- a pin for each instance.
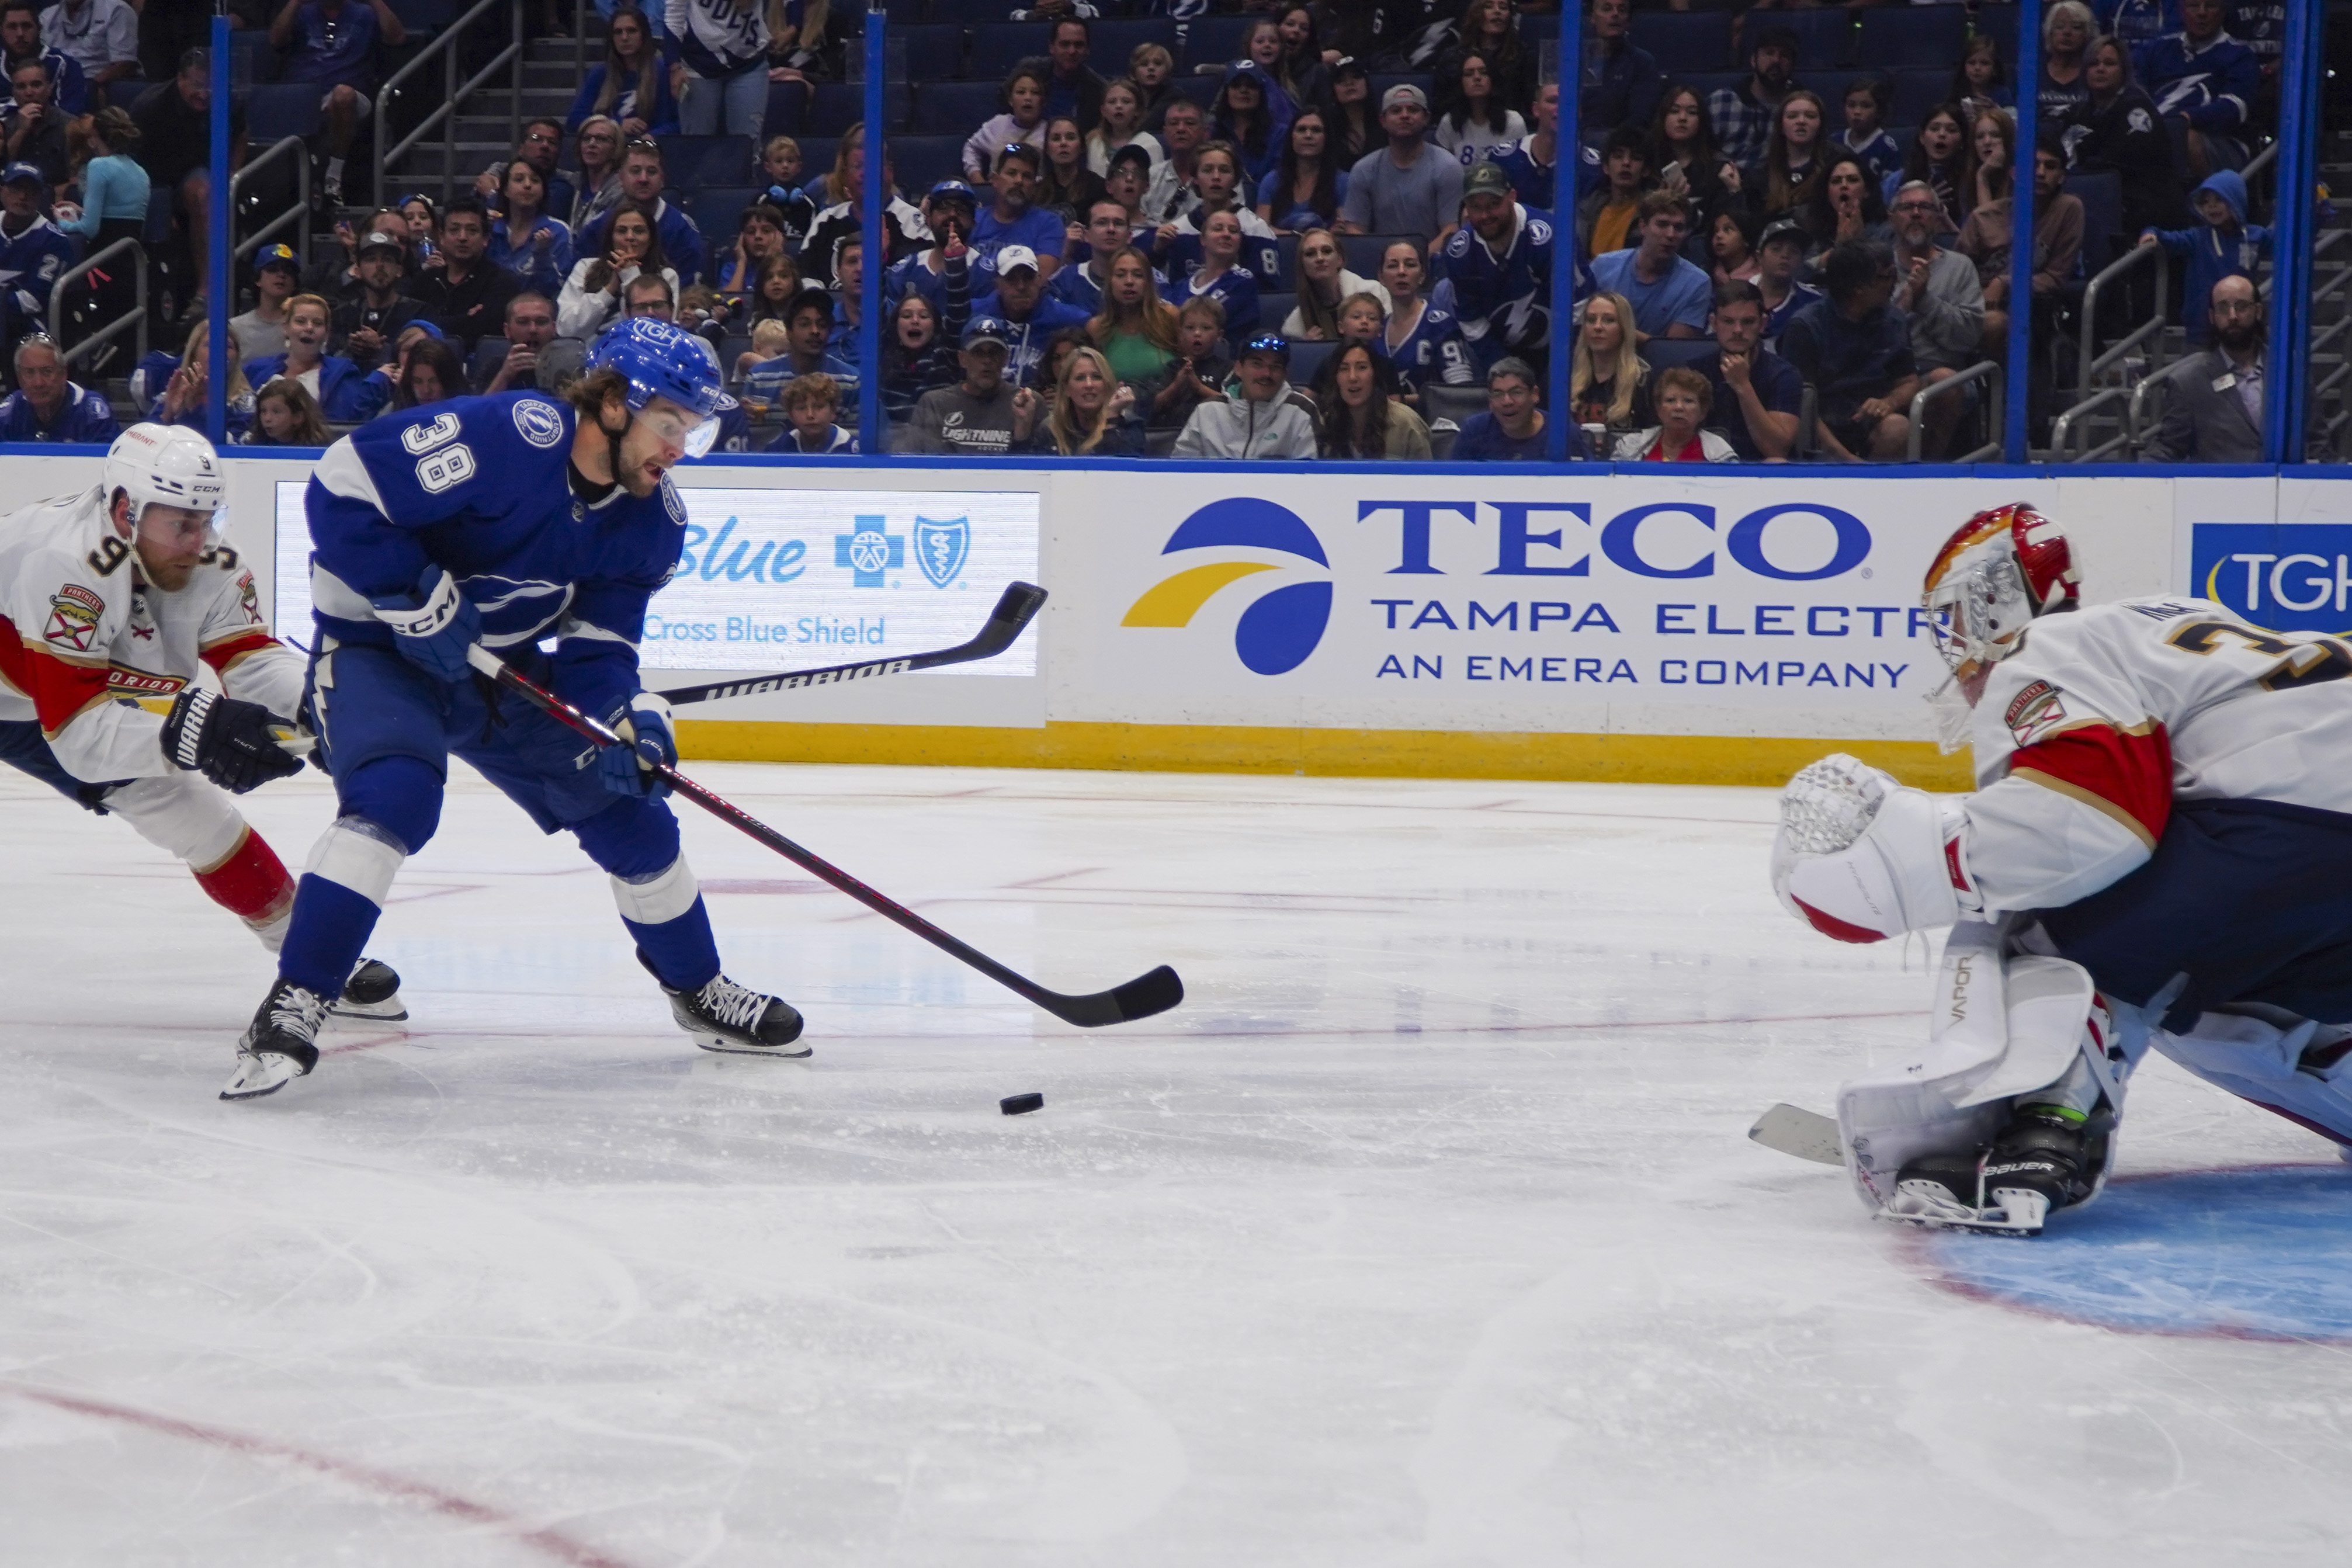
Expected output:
(347, 394)
(480, 486)
(1504, 302)
(30, 264)
(84, 417)
(2215, 86)
(1432, 353)
(1024, 342)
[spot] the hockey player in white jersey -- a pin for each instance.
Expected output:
(117, 596)
(2158, 852)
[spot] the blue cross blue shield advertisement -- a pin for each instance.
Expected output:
(778, 579)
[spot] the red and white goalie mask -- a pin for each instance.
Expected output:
(1997, 572)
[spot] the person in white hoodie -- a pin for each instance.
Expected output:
(1263, 422)
(724, 44)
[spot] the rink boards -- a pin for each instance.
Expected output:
(1360, 619)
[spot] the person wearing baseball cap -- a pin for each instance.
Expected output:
(1500, 262)
(1407, 186)
(808, 323)
(981, 417)
(277, 278)
(1779, 253)
(34, 252)
(950, 211)
(1015, 218)
(1029, 316)
(365, 325)
(1261, 422)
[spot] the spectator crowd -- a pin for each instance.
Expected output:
(1335, 237)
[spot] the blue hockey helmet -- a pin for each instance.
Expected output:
(661, 358)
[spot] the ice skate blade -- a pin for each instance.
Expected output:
(791, 1050)
(2014, 1211)
(391, 1010)
(258, 1075)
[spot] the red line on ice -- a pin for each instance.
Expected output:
(384, 1483)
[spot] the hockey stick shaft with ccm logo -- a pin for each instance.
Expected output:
(1139, 998)
(1016, 608)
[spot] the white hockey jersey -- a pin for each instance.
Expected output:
(81, 630)
(2105, 716)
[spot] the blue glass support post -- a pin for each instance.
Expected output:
(872, 197)
(216, 264)
(1567, 157)
(2020, 231)
(2287, 366)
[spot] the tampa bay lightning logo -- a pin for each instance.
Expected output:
(541, 424)
(941, 548)
(1281, 628)
(671, 500)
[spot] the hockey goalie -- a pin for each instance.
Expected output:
(2158, 853)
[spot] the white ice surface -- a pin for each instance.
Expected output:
(1423, 1236)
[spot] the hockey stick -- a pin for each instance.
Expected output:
(1016, 608)
(1139, 998)
(1807, 1135)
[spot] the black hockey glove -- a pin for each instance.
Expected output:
(234, 743)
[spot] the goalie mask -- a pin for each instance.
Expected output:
(2001, 570)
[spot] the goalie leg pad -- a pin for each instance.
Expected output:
(2299, 1071)
(1953, 1100)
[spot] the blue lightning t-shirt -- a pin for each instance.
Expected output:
(480, 487)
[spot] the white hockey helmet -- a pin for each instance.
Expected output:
(1996, 573)
(164, 464)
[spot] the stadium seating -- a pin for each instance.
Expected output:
(956, 107)
(273, 110)
(1214, 41)
(691, 163)
(1893, 36)
(998, 47)
(1685, 41)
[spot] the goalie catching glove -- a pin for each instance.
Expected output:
(1861, 858)
(234, 744)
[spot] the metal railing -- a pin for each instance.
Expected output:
(1952, 387)
(294, 148)
(453, 92)
(136, 319)
(2089, 361)
(2062, 429)
(2135, 423)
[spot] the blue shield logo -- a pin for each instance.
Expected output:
(941, 548)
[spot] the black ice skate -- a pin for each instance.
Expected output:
(2037, 1164)
(372, 993)
(282, 1042)
(725, 1017)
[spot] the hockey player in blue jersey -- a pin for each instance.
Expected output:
(504, 521)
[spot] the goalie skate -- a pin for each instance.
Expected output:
(282, 1042)
(2034, 1166)
(373, 993)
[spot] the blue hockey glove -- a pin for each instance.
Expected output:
(628, 770)
(433, 626)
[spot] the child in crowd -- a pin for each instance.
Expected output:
(1865, 134)
(812, 404)
(2221, 244)
(780, 167)
(1202, 365)
(769, 340)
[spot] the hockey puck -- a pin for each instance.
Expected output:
(1021, 1104)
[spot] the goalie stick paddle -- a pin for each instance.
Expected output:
(1016, 608)
(1139, 998)
(1807, 1135)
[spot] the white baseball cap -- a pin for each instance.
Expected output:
(1014, 256)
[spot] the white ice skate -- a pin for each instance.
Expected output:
(282, 1042)
(372, 993)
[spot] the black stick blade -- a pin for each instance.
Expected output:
(1139, 998)
(1146, 995)
(1016, 608)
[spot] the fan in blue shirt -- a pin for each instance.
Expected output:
(46, 406)
(1670, 297)
(1013, 220)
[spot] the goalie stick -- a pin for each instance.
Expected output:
(1807, 1135)
(1141, 997)
(1016, 608)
